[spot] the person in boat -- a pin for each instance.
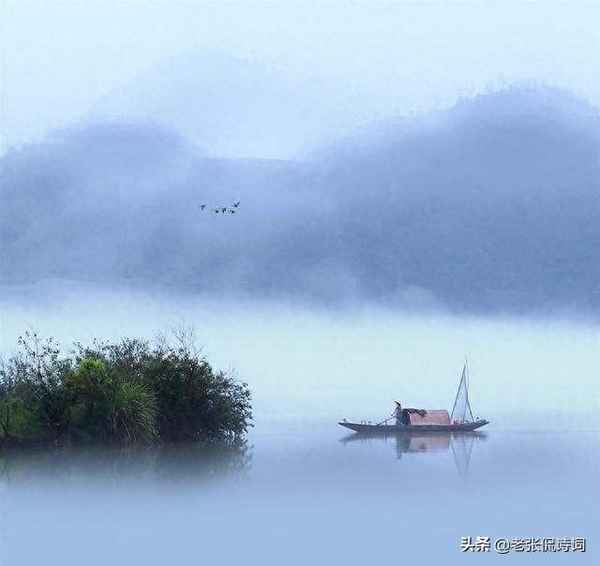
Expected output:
(398, 414)
(403, 415)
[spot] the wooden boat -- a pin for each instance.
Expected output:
(411, 420)
(369, 428)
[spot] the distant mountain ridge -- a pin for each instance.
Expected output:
(491, 206)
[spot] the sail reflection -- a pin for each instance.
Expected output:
(460, 444)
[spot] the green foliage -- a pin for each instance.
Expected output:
(134, 412)
(123, 392)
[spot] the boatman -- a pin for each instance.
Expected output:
(398, 413)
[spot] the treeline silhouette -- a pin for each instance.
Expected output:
(122, 392)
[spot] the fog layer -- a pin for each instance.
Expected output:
(492, 206)
(310, 365)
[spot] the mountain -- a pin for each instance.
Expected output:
(491, 206)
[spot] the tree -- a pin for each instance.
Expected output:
(119, 392)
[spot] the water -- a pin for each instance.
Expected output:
(301, 493)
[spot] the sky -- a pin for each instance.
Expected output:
(60, 58)
(486, 210)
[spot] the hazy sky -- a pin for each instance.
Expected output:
(59, 58)
(344, 364)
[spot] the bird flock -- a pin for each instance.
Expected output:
(232, 209)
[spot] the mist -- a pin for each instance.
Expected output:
(348, 203)
(322, 365)
(490, 207)
(307, 369)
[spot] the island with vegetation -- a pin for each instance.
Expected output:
(129, 391)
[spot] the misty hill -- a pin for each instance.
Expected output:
(123, 201)
(491, 206)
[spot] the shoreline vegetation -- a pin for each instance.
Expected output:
(125, 392)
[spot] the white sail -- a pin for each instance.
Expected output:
(461, 412)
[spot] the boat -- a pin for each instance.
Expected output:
(412, 420)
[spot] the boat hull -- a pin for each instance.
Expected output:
(364, 428)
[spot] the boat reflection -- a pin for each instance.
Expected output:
(460, 444)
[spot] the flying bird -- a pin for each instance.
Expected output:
(222, 209)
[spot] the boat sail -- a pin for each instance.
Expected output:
(461, 411)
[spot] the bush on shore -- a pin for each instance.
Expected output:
(128, 391)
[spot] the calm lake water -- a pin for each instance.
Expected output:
(302, 493)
